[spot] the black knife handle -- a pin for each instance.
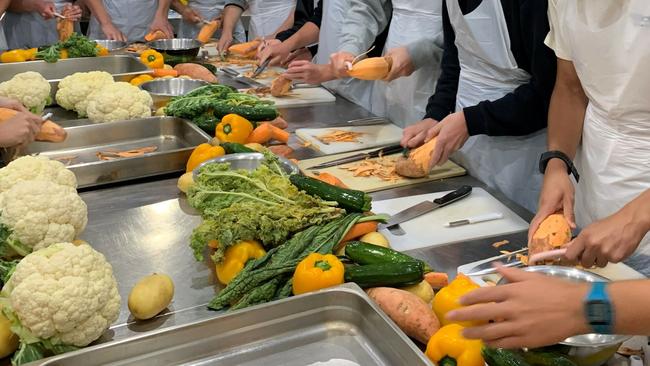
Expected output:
(454, 196)
(388, 150)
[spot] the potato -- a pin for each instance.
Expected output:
(423, 290)
(151, 295)
(255, 146)
(376, 239)
(8, 340)
(185, 182)
(408, 311)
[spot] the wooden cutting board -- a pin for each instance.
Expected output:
(429, 229)
(373, 136)
(372, 184)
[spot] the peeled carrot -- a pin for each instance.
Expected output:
(437, 280)
(359, 230)
(267, 132)
(152, 36)
(331, 179)
(164, 72)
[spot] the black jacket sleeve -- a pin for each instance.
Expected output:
(443, 101)
(301, 15)
(525, 110)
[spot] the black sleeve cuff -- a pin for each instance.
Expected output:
(474, 120)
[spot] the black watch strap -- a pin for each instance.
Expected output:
(555, 154)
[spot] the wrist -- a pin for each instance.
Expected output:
(555, 166)
(640, 211)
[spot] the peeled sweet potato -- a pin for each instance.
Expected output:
(207, 31)
(155, 35)
(247, 49)
(50, 131)
(280, 86)
(418, 163)
(374, 68)
(408, 311)
(553, 233)
(196, 71)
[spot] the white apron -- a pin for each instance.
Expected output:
(267, 16)
(208, 10)
(355, 90)
(132, 18)
(612, 63)
(488, 71)
(404, 100)
(30, 30)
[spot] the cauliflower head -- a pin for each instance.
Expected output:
(64, 293)
(30, 88)
(74, 89)
(40, 213)
(119, 102)
(36, 168)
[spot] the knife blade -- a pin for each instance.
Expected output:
(261, 68)
(250, 82)
(387, 150)
(428, 206)
(486, 267)
(370, 121)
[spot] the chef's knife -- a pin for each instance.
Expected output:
(427, 206)
(261, 68)
(242, 79)
(388, 150)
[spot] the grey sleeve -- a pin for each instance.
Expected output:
(425, 50)
(365, 20)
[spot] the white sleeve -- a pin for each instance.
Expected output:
(556, 38)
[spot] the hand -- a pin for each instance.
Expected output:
(20, 129)
(533, 310)
(402, 65)
(308, 72)
(12, 104)
(72, 12)
(557, 196)
(46, 9)
(224, 42)
(339, 66)
(162, 24)
(611, 239)
(451, 134)
(111, 32)
(277, 52)
(413, 135)
(190, 15)
(301, 54)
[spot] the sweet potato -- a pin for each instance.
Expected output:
(207, 31)
(281, 150)
(50, 131)
(409, 312)
(280, 86)
(374, 68)
(280, 123)
(247, 49)
(418, 163)
(155, 35)
(553, 233)
(331, 179)
(196, 71)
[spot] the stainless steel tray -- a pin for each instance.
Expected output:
(174, 138)
(122, 67)
(335, 324)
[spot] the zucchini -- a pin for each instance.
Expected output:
(542, 358)
(349, 199)
(364, 253)
(385, 274)
(234, 148)
(447, 361)
(502, 357)
(258, 112)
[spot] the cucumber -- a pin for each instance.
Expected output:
(234, 148)
(385, 274)
(349, 199)
(364, 253)
(542, 358)
(502, 357)
(258, 112)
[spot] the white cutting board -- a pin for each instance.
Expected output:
(428, 230)
(373, 136)
(301, 97)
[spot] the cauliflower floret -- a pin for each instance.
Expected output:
(74, 89)
(64, 293)
(36, 168)
(41, 213)
(30, 88)
(119, 102)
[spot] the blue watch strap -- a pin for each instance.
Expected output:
(598, 309)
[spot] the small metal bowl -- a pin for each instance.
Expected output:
(585, 349)
(162, 90)
(177, 49)
(111, 45)
(247, 161)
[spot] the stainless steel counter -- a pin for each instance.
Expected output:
(144, 226)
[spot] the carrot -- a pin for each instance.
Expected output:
(152, 36)
(331, 179)
(437, 280)
(359, 230)
(50, 131)
(267, 132)
(164, 72)
(208, 30)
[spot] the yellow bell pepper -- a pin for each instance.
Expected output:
(63, 54)
(30, 54)
(13, 56)
(202, 153)
(234, 128)
(449, 343)
(316, 272)
(235, 259)
(102, 51)
(139, 80)
(447, 299)
(152, 59)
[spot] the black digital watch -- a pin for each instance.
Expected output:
(555, 154)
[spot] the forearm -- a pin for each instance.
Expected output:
(178, 6)
(163, 8)
(631, 302)
(640, 207)
(364, 21)
(231, 15)
(98, 11)
(24, 6)
(4, 4)
(306, 36)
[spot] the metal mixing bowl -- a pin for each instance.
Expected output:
(247, 161)
(162, 90)
(177, 50)
(111, 45)
(585, 349)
